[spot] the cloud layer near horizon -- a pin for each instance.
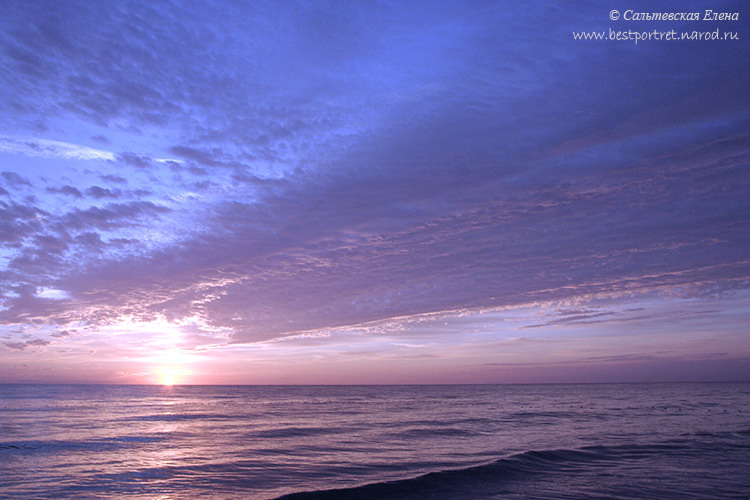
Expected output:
(261, 171)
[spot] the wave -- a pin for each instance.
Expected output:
(438, 423)
(742, 433)
(175, 417)
(494, 480)
(294, 432)
(91, 445)
(438, 432)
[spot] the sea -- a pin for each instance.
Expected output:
(618, 441)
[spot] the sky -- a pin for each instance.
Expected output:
(362, 192)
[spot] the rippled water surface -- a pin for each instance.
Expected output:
(485, 441)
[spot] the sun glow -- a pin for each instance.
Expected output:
(170, 366)
(171, 375)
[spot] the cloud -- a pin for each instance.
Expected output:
(51, 293)
(18, 222)
(99, 192)
(41, 246)
(574, 319)
(194, 154)
(13, 179)
(20, 346)
(135, 160)
(115, 179)
(425, 161)
(61, 334)
(51, 149)
(356, 264)
(111, 215)
(66, 190)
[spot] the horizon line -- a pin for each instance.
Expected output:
(386, 385)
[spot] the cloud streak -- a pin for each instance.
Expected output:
(52, 149)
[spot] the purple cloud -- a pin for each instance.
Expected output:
(66, 190)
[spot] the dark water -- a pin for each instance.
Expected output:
(420, 442)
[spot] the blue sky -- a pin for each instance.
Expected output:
(362, 192)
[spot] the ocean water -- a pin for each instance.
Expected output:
(379, 442)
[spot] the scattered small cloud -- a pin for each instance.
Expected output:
(13, 179)
(66, 190)
(20, 346)
(99, 192)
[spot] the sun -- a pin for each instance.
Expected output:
(169, 375)
(169, 367)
